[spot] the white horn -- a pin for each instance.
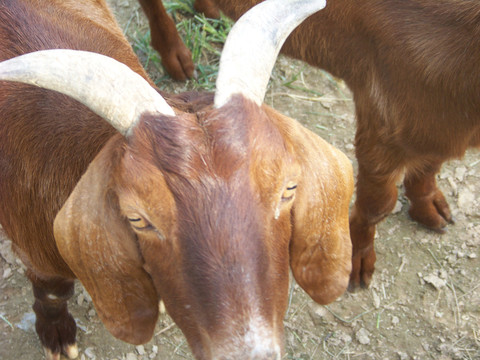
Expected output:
(253, 45)
(107, 87)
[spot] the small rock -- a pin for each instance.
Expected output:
(395, 320)
(362, 336)
(80, 299)
(7, 273)
(460, 173)
(89, 352)
(453, 185)
(402, 355)
(140, 349)
(472, 256)
(434, 280)
(131, 356)
(320, 315)
(466, 200)
(6, 251)
(397, 208)
(154, 349)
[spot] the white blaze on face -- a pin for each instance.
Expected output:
(258, 342)
(262, 342)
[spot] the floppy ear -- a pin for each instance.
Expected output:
(320, 247)
(100, 248)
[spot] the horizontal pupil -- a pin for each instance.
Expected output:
(134, 219)
(292, 187)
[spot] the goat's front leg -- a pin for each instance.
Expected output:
(427, 203)
(176, 57)
(55, 326)
(376, 198)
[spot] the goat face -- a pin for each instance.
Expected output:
(199, 211)
(227, 278)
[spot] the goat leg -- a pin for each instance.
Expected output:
(55, 326)
(208, 8)
(427, 203)
(376, 198)
(176, 57)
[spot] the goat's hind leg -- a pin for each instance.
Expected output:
(55, 326)
(427, 203)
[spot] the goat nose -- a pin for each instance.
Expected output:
(261, 352)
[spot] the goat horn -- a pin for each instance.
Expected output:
(107, 87)
(253, 45)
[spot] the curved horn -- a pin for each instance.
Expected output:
(253, 46)
(107, 87)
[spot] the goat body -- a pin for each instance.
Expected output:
(205, 209)
(413, 67)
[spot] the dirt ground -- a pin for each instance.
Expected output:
(424, 302)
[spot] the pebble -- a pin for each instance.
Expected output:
(320, 315)
(466, 200)
(140, 349)
(397, 208)
(363, 336)
(80, 299)
(434, 280)
(6, 251)
(131, 356)
(89, 352)
(460, 173)
(7, 273)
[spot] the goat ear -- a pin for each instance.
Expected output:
(320, 247)
(100, 248)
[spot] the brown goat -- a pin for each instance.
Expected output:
(413, 67)
(202, 205)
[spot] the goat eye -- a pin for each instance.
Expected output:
(139, 223)
(289, 191)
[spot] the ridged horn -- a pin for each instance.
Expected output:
(107, 87)
(253, 45)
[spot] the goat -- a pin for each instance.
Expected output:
(201, 201)
(413, 68)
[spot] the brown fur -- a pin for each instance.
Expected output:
(415, 76)
(216, 236)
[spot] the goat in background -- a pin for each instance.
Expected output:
(413, 67)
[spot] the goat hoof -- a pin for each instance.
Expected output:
(71, 351)
(431, 211)
(180, 67)
(50, 355)
(363, 268)
(354, 285)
